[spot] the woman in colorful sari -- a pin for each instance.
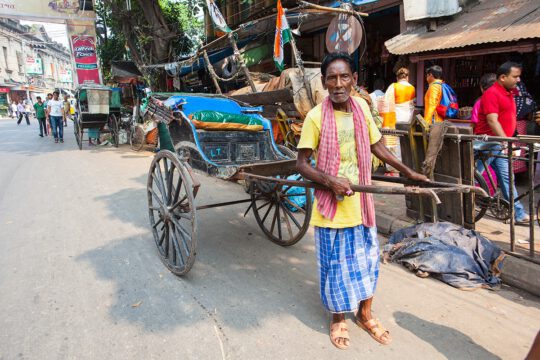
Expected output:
(400, 99)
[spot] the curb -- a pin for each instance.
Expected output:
(518, 273)
(387, 224)
(521, 274)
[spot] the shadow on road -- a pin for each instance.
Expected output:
(448, 341)
(239, 280)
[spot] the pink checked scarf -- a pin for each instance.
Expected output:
(328, 159)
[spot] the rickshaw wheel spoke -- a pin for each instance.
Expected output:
(275, 201)
(161, 184)
(287, 222)
(267, 212)
(288, 214)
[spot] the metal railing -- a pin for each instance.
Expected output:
(531, 160)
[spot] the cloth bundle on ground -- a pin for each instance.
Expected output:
(217, 120)
(459, 257)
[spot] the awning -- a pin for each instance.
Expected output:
(125, 70)
(490, 21)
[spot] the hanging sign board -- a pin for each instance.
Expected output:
(344, 34)
(65, 75)
(34, 66)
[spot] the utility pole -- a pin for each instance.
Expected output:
(25, 70)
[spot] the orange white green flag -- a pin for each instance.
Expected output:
(216, 16)
(283, 36)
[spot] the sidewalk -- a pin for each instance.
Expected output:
(391, 216)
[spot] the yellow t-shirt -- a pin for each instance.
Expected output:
(348, 212)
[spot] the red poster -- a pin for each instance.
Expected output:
(84, 51)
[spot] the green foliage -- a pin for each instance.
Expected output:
(111, 43)
(112, 49)
(116, 25)
(186, 19)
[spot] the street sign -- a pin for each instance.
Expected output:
(344, 34)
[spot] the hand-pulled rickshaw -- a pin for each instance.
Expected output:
(93, 109)
(221, 138)
(126, 100)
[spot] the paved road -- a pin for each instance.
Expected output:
(80, 278)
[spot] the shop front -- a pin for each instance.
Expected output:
(474, 43)
(467, 48)
(4, 101)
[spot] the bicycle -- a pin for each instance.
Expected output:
(142, 134)
(495, 203)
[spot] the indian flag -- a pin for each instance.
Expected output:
(283, 36)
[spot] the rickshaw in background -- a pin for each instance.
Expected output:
(126, 102)
(92, 105)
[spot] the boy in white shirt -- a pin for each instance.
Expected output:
(55, 111)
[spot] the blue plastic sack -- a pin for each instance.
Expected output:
(299, 200)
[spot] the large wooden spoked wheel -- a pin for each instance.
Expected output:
(277, 211)
(112, 123)
(77, 130)
(171, 208)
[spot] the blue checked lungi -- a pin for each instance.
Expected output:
(348, 266)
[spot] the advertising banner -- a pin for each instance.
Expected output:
(47, 10)
(82, 36)
(84, 52)
(34, 66)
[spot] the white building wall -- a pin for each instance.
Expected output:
(12, 43)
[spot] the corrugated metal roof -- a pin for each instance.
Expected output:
(488, 21)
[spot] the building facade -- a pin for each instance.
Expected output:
(31, 64)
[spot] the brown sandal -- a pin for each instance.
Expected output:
(339, 331)
(375, 330)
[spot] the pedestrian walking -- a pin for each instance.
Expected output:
(342, 132)
(486, 81)
(55, 110)
(28, 107)
(14, 112)
(401, 95)
(497, 117)
(440, 100)
(433, 96)
(66, 109)
(21, 110)
(400, 98)
(49, 128)
(41, 115)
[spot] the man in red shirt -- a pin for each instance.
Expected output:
(497, 117)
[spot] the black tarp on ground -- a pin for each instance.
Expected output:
(459, 257)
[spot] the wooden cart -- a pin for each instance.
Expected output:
(93, 112)
(279, 198)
